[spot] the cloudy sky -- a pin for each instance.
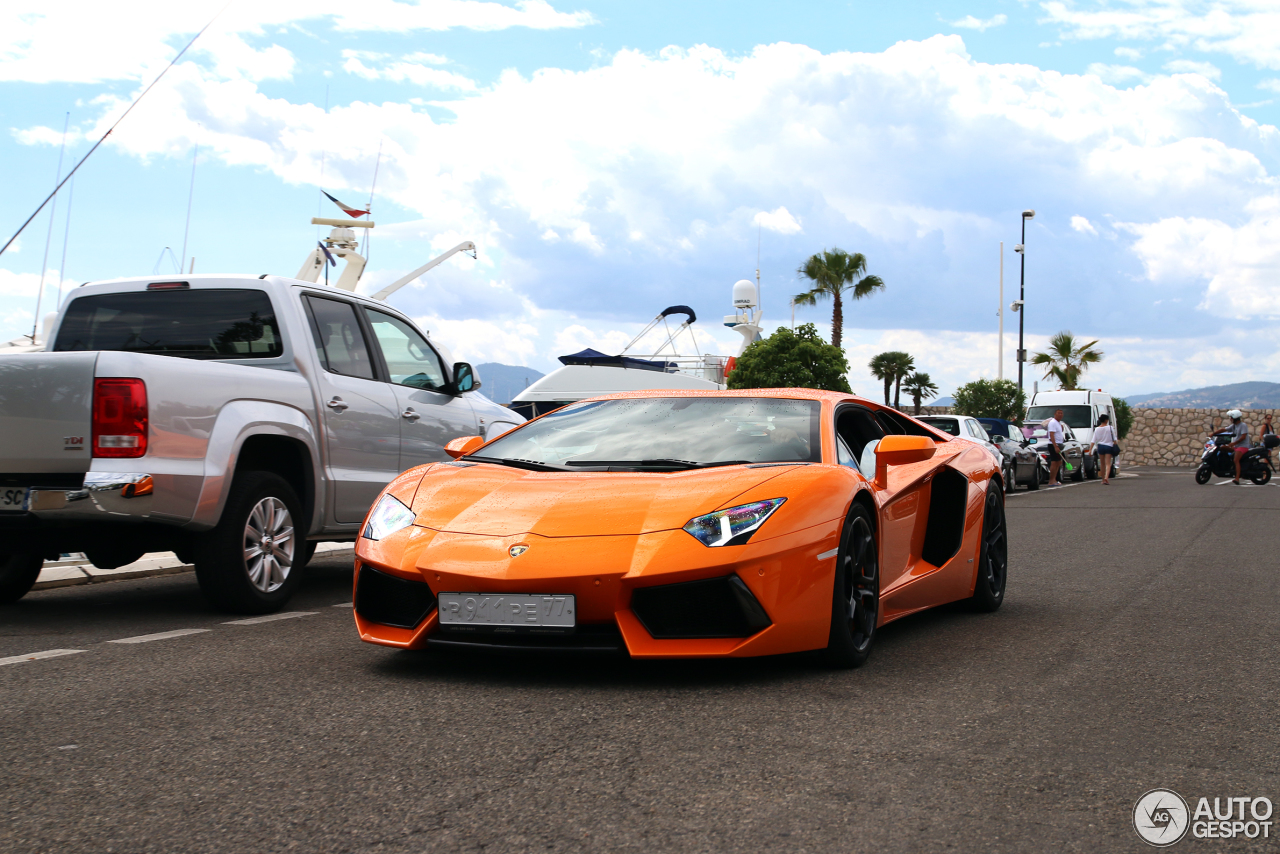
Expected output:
(613, 158)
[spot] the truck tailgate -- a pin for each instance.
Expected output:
(45, 412)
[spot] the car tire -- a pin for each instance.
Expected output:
(855, 597)
(993, 556)
(1034, 483)
(1091, 467)
(1078, 475)
(1203, 474)
(233, 570)
(19, 569)
(308, 552)
(1010, 478)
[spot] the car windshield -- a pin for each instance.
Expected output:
(662, 432)
(1072, 416)
(949, 426)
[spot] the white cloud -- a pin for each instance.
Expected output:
(779, 220)
(1271, 84)
(1082, 225)
(969, 22)
(1132, 54)
(1187, 66)
(1117, 74)
(1242, 29)
(421, 73)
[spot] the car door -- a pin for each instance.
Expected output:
(430, 414)
(362, 424)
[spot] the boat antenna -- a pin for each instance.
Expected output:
(323, 153)
(759, 239)
(368, 238)
(191, 192)
(66, 238)
(44, 264)
(103, 139)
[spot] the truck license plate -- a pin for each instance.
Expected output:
(13, 498)
(507, 610)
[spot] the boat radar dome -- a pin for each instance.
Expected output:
(744, 294)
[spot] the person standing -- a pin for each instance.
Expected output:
(1239, 443)
(1266, 429)
(1106, 441)
(1057, 437)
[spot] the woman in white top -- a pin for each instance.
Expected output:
(1105, 440)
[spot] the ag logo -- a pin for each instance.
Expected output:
(1161, 817)
(516, 551)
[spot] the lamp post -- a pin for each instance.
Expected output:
(1022, 292)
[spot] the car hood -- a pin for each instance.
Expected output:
(495, 500)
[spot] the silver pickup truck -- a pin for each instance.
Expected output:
(150, 424)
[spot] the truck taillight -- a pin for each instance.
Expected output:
(119, 417)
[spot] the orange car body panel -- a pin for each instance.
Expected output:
(601, 535)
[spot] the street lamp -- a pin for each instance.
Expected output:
(1020, 305)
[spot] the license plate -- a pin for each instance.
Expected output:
(13, 498)
(506, 611)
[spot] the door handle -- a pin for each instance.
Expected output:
(337, 404)
(409, 414)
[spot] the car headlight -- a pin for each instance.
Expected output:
(734, 526)
(388, 517)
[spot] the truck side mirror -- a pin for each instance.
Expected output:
(464, 378)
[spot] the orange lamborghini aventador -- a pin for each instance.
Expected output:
(675, 525)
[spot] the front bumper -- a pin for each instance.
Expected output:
(763, 598)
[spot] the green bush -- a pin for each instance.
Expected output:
(787, 359)
(1124, 417)
(991, 399)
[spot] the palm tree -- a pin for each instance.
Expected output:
(892, 366)
(920, 387)
(1066, 359)
(837, 274)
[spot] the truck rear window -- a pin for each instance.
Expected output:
(214, 323)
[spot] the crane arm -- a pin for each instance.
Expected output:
(464, 246)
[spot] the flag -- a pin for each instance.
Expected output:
(346, 208)
(333, 261)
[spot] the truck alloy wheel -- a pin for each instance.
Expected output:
(250, 563)
(19, 570)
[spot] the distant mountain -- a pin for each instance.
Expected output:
(1250, 395)
(501, 383)
(942, 401)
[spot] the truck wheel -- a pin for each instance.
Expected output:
(248, 563)
(19, 570)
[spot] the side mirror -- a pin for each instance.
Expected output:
(464, 378)
(462, 446)
(900, 451)
(1032, 441)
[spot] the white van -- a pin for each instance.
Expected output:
(1080, 411)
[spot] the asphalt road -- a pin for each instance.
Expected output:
(1136, 649)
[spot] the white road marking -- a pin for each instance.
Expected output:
(176, 633)
(36, 656)
(345, 605)
(1242, 483)
(270, 618)
(69, 747)
(831, 553)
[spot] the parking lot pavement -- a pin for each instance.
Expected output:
(1134, 651)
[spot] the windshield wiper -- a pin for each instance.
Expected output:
(678, 465)
(528, 465)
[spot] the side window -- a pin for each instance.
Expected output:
(340, 343)
(410, 359)
(844, 456)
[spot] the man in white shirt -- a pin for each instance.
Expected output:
(1056, 436)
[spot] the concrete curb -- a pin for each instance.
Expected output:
(73, 573)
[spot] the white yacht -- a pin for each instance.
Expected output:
(590, 373)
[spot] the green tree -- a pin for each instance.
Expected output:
(837, 274)
(786, 359)
(920, 387)
(892, 366)
(991, 399)
(1066, 359)
(1124, 417)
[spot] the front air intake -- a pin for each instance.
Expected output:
(392, 601)
(715, 608)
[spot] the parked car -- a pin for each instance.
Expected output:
(683, 524)
(1072, 449)
(1080, 412)
(235, 420)
(1021, 462)
(964, 427)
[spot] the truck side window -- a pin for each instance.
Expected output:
(410, 359)
(340, 342)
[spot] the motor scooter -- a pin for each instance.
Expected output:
(1219, 460)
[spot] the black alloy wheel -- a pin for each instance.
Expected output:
(19, 569)
(1091, 467)
(855, 607)
(993, 558)
(1203, 474)
(1010, 476)
(1078, 474)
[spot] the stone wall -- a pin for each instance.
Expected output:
(1175, 437)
